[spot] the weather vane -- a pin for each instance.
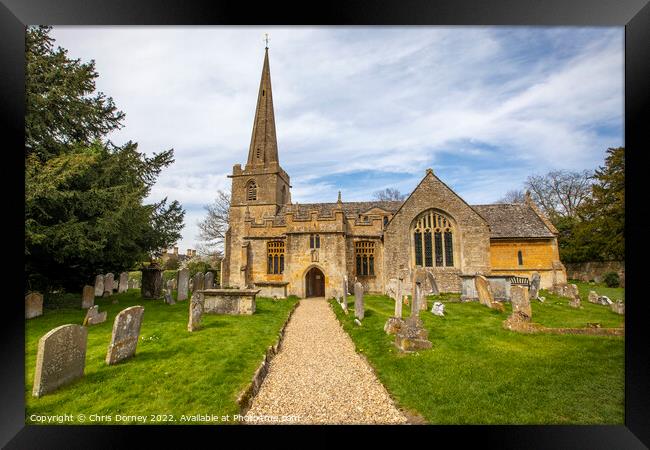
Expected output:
(266, 39)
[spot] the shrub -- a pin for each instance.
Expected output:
(611, 279)
(168, 275)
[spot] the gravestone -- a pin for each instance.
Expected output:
(438, 309)
(198, 282)
(152, 283)
(398, 300)
(358, 301)
(126, 332)
(196, 312)
(433, 286)
(87, 297)
(604, 300)
(412, 335)
(483, 290)
(169, 297)
(618, 307)
(99, 285)
(521, 302)
(60, 358)
(93, 316)
(593, 297)
(108, 285)
(183, 284)
(124, 282)
(535, 283)
(208, 282)
(33, 305)
(116, 284)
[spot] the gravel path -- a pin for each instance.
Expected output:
(318, 378)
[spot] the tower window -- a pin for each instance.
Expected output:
(365, 258)
(262, 92)
(275, 257)
(520, 258)
(314, 241)
(251, 190)
(258, 153)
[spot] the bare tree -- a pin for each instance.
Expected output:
(212, 229)
(513, 196)
(559, 193)
(389, 194)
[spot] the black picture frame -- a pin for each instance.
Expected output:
(634, 15)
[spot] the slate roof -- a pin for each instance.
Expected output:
(513, 220)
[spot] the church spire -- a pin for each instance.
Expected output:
(263, 150)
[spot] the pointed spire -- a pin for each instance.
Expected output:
(263, 150)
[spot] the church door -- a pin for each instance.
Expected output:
(315, 282)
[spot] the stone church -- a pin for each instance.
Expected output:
(285, 248)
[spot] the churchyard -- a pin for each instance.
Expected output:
(477, 372)
(174, 372)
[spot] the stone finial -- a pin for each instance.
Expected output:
(430, 171)
(339, 198)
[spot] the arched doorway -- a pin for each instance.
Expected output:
(315, 283)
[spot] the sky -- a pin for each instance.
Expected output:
(360, 109)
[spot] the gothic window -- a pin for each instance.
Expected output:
(275, 256)
(251, 190)
(385, 221)
(314, 241)
(365, 258)
(433, 240)
(520, 258)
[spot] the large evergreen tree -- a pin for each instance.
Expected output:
(84, 196)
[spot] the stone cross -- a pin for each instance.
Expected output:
(87, 297)
(99, 285)
(124, 282)
(183, 283)
(93, 316)
(60, 359)
(126, 332)
(358, 301)
(33, 305)
(108, 285)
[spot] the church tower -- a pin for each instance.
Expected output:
(262, 186)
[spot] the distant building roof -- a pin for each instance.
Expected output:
(513, 220)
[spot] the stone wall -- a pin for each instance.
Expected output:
(595, 270)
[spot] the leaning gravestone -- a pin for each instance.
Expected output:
(208, 281)
(124, 282)
(433, 286)
(93, 316)
(99, 285)
(126, 331)
(535, 283)
(60, 359)
(438, 309)
(574, 295)
(169, 297)
(108, 284)
(358, 301)
(197, 304)
(152, 283)
(33, 305)
(483, 290)
(87, 297)
(183, 283)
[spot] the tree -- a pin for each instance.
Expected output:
(212, 229)
(513, 196)
(84, 197)
(389, 194)
(560, 193)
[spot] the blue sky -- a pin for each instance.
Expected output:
(360, 109)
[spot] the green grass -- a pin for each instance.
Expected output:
(479, 373)
(600, 288)
(173, 372)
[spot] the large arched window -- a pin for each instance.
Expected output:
(251, 190)
(433, 240)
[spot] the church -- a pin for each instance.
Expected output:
(309, 250)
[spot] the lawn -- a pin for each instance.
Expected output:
(600, 288)
(173, 373)
(479, 373)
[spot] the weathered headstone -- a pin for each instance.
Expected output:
(183, 283)
(93, 316)
(88, 297)
(208, 281)
(604, 300)
(398, 300)
(358, 301)
(535, 283)
(198, 282)
(593, 297)
(196, 312)
(433, 286)
(169, 297)
(108, 284)
(124, 282)
(618, 307)
(60, 358)
(152, 283)
(438, 309)
(412, 335)
(126, 332)
(483, 290)
(99, 285)
(521, 302)
(33, 305)
(417, 299)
